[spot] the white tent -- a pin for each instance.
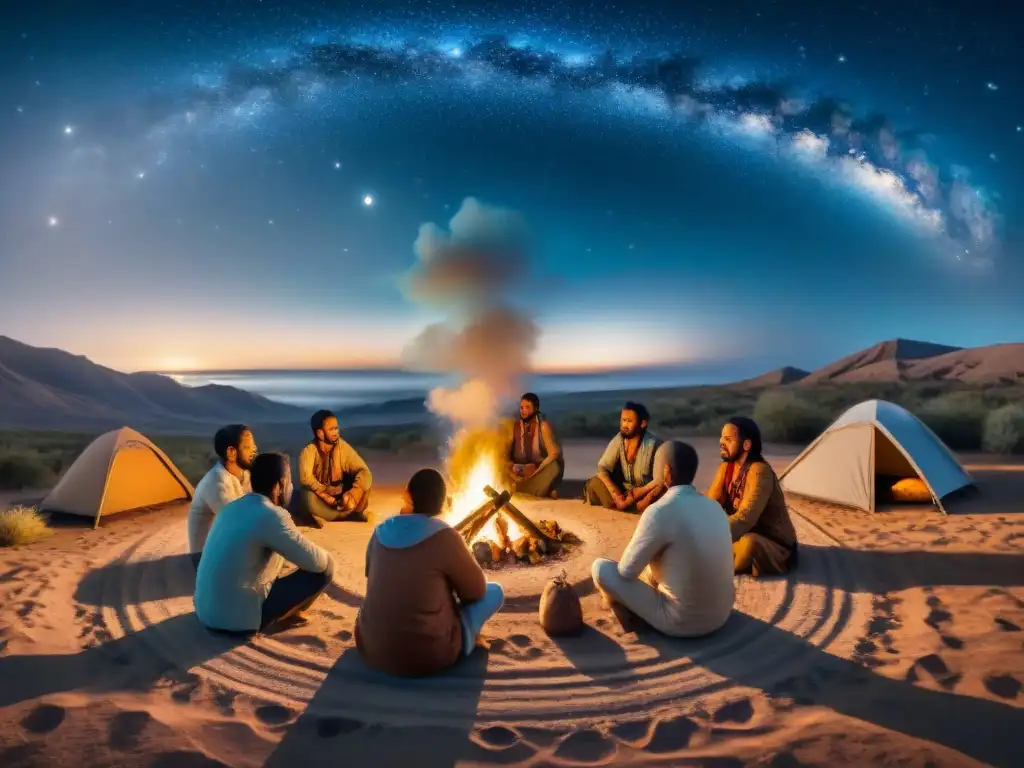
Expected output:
(870, 439)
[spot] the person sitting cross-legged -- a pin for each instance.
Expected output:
(534, 462)
(676, 572)
(764, 539)
(426, 596)
(334, 479)
(237, 584)
(624, 478)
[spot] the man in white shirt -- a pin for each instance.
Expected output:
(228, 480)
(237, 584)
(676, 573)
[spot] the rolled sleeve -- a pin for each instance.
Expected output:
(610, 456)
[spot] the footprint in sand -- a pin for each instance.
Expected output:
(44, 718)
(738, 712)
(672, 735)
(520, 641)
(225, 701)
(632, 732)
(1006, 625)
(1003, 686)
(126, 729)
(935, 666)
(330, 727)
(498, 737)
(273, 714)
(311, 641)
(586, 746)
(344, 635)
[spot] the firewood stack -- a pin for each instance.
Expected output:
(541, 539)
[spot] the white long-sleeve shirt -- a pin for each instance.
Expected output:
(684, 539)
(250, 539)
(217, 488)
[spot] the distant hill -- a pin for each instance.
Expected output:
(785, 375)
(888, 361)
(996, 364)
(51, 388)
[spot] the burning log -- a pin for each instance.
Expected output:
(473, 523)
(550, 544)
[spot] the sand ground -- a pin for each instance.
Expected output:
(897, 642)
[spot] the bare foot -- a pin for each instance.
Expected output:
(483, 642)
(628, 620)
(554, 495)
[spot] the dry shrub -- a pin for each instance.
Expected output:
(21, 525)
(785, 417)
(1004, 430)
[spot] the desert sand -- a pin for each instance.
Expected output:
(898, 641)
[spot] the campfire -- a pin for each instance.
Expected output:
(497, 532)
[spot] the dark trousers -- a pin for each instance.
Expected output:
(294, 593)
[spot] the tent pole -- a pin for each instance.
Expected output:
(871, 472)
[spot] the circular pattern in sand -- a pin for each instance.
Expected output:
(779, 627)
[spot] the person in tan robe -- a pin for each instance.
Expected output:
(334, 480)
(426, 596)
(535, 462)
(764, 540)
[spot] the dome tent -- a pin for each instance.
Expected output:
(871, 439)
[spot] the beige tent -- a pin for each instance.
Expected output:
(871, 439)
(118, 471)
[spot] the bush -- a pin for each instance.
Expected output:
(1004, 430)
(18, 472)
(958, 419)
(22, 525)
(786, 418)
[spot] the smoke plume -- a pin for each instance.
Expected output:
(472, 272)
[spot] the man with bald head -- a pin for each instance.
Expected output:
(676, 574)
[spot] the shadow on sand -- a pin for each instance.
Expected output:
(879, 571)
(159, 579)
(125, 664)
(593, 653)
(312, 740)
(985, 730)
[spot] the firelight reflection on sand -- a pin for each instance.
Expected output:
(475, 460)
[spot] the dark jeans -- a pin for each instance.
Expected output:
(294, 593)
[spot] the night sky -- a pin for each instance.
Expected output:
(240, 184)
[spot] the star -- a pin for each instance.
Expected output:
(368, 200)
(20, 110)
(53, 221)
(68, 130)
(337, 165)
(141, 175)
(1020, 129)
(991, 86)
(841, 59)
(270, 221)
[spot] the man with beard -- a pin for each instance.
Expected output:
(764, 540)
(534, 455)
(625, 474)
(238, 588)
(334, 478)
(226, 481)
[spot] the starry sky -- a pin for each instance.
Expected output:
(228, 184)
